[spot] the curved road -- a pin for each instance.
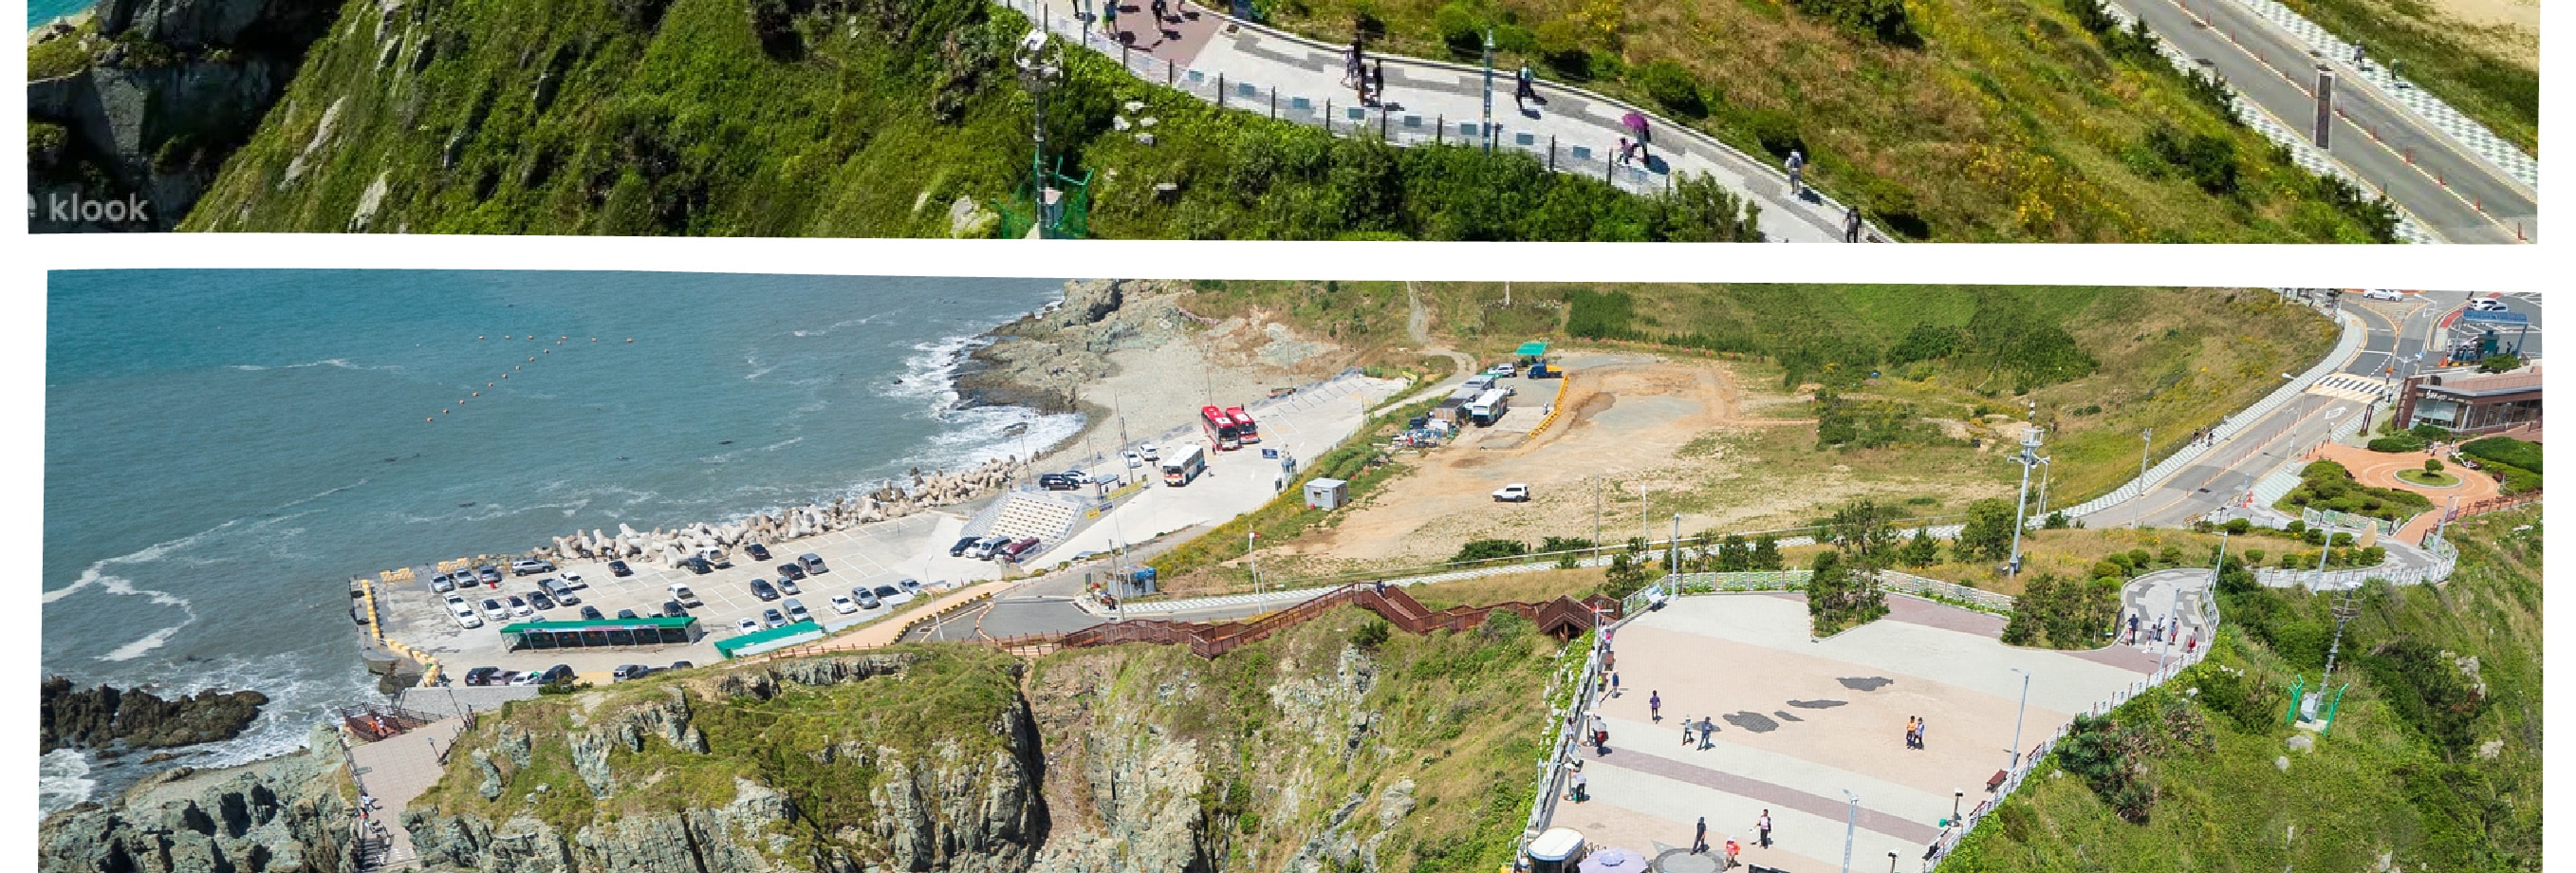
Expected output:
(2456, 195)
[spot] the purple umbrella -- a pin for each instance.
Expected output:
(1614, 861)
(1634, 122)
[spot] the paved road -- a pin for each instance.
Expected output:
(1267, 71)
(2459, 197)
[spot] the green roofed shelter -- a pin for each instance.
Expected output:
(605, 633)
(1533, 348)
(757, 642)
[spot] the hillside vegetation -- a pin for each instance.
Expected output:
(1954, 120)
(797, 118)
(2433, 762)
(2102, 363)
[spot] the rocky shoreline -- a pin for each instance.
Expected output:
(109, 720)
(284, 815)
(1042, 360)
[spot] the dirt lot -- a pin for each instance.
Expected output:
(1694, 433)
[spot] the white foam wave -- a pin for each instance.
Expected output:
(827, 330)
(931, 371)
(139, 648)
(340, 363)
(62, 779)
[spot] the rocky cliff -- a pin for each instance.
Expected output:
(1040, 359)
(160, 92)
(110, 718)
(286, 815)
(911, 761)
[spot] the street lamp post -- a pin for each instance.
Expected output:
(1851, 828)
(2028, 458)
(2146, 445)
(1487, 132)
(1675, 547)
(2017, 714)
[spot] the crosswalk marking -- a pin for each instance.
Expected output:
(2353, 387)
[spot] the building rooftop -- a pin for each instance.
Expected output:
(2469, 383)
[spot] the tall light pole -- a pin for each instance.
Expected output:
(2146, 445)
(1675, 547)
(1596, 516)
(2017, 714)
(1851, 828)
(1487, 132)
(2028, 458)
(1644, 533)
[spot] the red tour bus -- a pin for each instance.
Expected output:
(1221, 432)
(1243, 426)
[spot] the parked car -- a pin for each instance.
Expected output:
(490, 575)
(530, 678)
(984, 549)
(619, 569)
(698, 565)
(680, 592)
(492, 609)
(679, 665)
(2382, 294)
(519, 607)
(747, 626)
(796, 611)
(890, 595)
(541, 600)
(1502, 370)
(715, 558)
(909, 586)
(629, 671)
(790, 570)
(1151, 453)
(867, 599)
(2486, 304)
(592, 613)
(627, 614)
(1513, 493)
(962, 545)
(1057, 482)
(1135, 460)
(1022, 546)
(757, 551)
(464, 613)
(554, 674)
(560, 590)
(760, 588)
(787, 586)
(572, 580)
(841, 603)
(530, 567)
(486, 676)
(673, 609)
(813, 563)
(442, 583)
(772, 618)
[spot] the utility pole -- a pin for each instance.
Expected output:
(2146, 445)
(1676, 544)
(1645, 533)
(1255, 557)
(1596, 516)
(2017, 714)
(2028, 458)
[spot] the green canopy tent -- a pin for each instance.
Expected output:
(657, 631)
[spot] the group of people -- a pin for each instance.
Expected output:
(1731, 848)
(1914, 731)
(1369, 79)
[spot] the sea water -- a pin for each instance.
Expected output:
(41, 11)
(224, 449)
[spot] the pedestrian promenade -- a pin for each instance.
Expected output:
(1257, 69)
(1799, 721)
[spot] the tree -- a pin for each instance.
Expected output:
(1922, 550)
(2432, 466)
(1766, 554)
(1861, 531)
(1733, 556)
(1988, 533)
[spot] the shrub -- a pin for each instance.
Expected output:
(2505, 450)
(1673, 88)
(1503, 625)
(2108, 570)
(1371, 635)
(2396, 444)
(1486, 550)
(2254, 557)
(1884, 20)
(2239, 526)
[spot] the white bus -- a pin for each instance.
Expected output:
(1184, 465)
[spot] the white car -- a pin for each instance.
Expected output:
(1135, 460)
(2486, 304)
(841, 603)
(1502, 370)
(2382, 294)
(747, 626)
(1513, 493)
(1151, 453)
(464, 612)
(572, 580)
(492, 609)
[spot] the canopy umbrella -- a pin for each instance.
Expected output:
(1634, 122)
(1614, 861)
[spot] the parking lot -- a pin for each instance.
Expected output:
(913, 547)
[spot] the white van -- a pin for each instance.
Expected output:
(686, 597)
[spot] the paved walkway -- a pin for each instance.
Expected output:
(398, 769)
(2379, 470)
(1799, 721)
(1262, 70)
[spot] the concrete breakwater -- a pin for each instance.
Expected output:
(669, 547)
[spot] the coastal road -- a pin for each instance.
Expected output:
(2458, 196)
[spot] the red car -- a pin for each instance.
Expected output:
(1023, 546)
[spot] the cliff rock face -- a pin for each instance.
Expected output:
(170, 88)
(964, 802)
(106, 717)
(282, 816)
(1039, 360)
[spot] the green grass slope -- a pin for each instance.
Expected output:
(776, 118)
(1953, 120)
(2432, 764)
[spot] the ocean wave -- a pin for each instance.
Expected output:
(62, 779)
(340, 363)
(141, 647)
(827, 330)
(930, 373)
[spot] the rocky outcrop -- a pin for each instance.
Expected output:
(1040, 359)
(169, 89)
(955, 803)
(282, 816)
(109, 718)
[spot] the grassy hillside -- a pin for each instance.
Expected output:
(2490, 71)
(1960, 120)
(788, 118)
(2433, 762)
(2166, 359)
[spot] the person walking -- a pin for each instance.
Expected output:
(1699, 836)
(1909, 732)
(1109, 18)
(1707, 729)
(1851, 224)
(1921, 727)
(1797, 165)
(1733, 849)
(1614, 684)
(1377, 82)
(1762, 827)
(1688, 728)
(1624, 149)
(1655, 704)
(1582, 785)
(1524, 89)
